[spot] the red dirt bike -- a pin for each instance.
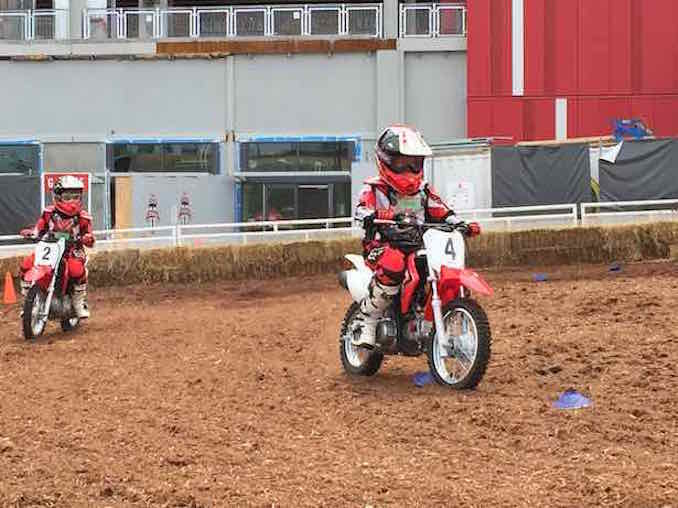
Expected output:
(433, 312)
(50, 295)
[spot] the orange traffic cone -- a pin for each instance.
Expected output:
(9, 296)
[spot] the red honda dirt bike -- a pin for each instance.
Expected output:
(50, 295)
(433, 313)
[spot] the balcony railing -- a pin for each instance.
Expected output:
(34, 24)
(358, 20)
(432, 20)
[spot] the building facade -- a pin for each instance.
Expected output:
(253, 124)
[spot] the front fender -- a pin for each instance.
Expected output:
(41, 275)
(451, 280)
(473, 281)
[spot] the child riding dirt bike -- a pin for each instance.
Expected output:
(65, 216)
(398, 192)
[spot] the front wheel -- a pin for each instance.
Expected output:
(462, 362)
(33, 322)
(70, 324)
(357, 361)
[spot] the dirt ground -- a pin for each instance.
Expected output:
(233, 395)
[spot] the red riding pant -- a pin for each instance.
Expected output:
(388, 265)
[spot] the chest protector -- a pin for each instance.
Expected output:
(412, 206)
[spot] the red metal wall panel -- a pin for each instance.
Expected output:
(666, 116)
(539, 120)
(643, 107)
(479, 114)
(507, 117)
(535, 16)
(610, 58)
(501, 47)
(478, 50)
(604, 44)
(489, 48)
(500, 116)
(619, 46)
(561, 47)
(658, 40)
(597, 114)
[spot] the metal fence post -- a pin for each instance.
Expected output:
(194, 28)
(177, 235)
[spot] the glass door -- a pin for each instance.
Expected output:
(280, 202)
(314, 201)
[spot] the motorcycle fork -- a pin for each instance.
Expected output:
(436, 303)
(50, 291)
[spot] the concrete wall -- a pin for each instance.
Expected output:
(101, 99)
(305, 93)
(350, 93)
(435, 94)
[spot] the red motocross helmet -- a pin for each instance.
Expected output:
(401, 151)
(68, 195)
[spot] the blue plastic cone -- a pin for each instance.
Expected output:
(572, 399)
(422, 378)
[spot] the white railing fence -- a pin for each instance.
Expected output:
(40, 24)
(360, 20)
(432, 20)
(628, 212)
(241, 233)
(522, 217)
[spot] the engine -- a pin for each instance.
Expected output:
(61, 307)
(415, 332)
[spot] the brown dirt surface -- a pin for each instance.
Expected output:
(233, 395)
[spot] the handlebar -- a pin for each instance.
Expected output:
(468, 229)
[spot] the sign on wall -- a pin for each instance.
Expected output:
(50, 179)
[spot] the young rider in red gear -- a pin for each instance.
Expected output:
(398, 191)
(66, 216)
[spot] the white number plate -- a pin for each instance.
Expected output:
(47, 254)
(444, 249)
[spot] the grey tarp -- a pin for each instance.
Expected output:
(19, 202)
(643, 170)
(540, 175)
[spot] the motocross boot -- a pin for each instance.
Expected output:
(372, 307)
(80, 301)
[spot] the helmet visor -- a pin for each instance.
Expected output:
(407, 163)
(71, 195)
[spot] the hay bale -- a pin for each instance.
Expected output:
(263, 261)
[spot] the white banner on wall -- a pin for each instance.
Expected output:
(464, 180)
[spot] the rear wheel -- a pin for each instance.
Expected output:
(33, 323)
(462, 362)
(357, 361)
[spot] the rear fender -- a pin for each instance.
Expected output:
(357, 280)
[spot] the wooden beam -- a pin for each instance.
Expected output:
(278, 46)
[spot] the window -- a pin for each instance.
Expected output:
(289, 201)
(342, 200)
(164, 157)
(22, 159)
(297, 156)
(253, 202)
